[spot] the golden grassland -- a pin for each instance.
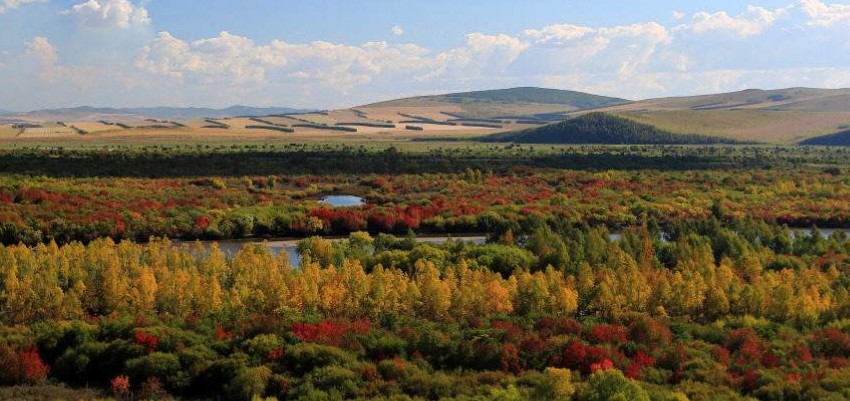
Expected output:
(770, 126)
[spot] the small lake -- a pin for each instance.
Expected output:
(343, 200)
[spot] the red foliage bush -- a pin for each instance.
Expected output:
(608, 334)
(148, 341)
(21, 366)
(581, 357)
(606, 364)
(120, 386)
(221, 334)
(330, 333)
(509, 359)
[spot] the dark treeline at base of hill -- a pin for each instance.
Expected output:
(704, 311)
(242, 160)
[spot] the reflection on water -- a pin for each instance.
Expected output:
(343, 200)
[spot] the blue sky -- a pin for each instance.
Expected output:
(334, 53)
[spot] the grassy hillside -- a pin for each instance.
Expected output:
(517, 103)
(578, 100)
(776, 116)
(601, 128)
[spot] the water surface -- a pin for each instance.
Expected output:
(343, 200)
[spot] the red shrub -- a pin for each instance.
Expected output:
(275, 355)
(120, 386)
(639, 361)
(327, 332)
(509, 359)
(221, 335)
(721, 355)
(606, 364)
(581, 357)
(146, 340)
(608, 334)
(21, 366)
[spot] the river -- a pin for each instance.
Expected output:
(290, 246)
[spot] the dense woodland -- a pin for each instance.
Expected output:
(702, 312)
(704, 293)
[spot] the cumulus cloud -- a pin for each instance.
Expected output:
(752, 22)
(621, 50)
(397, 30)
(109, 14)
(40, 48)
(6, 5)
(225, 57)
(825, 15)
(234, 59)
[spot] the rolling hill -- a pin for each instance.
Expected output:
(526, 103)
(783, 116)
(601, 128)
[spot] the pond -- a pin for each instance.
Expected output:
(343, 200)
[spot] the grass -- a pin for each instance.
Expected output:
(49, 392)
(756, 125)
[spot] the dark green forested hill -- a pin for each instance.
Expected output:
(837, 139)
(602, 128)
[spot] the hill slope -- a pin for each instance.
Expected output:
(526, 102)
(577, 100)
(601, 128)
(778, 116)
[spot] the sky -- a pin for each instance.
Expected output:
(341, 53)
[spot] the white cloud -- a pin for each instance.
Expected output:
(109, 14)
(397, 30)
(678, 15)
(51, 71)
(752, 22)
(40, 48)
(621, 50)
(226, 57)
(6, 5)
(825, 15)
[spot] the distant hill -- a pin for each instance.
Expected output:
(577, 100)
(778, 116)
(527, 102)
(87, 113)
(602, 128)
(837, 139)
